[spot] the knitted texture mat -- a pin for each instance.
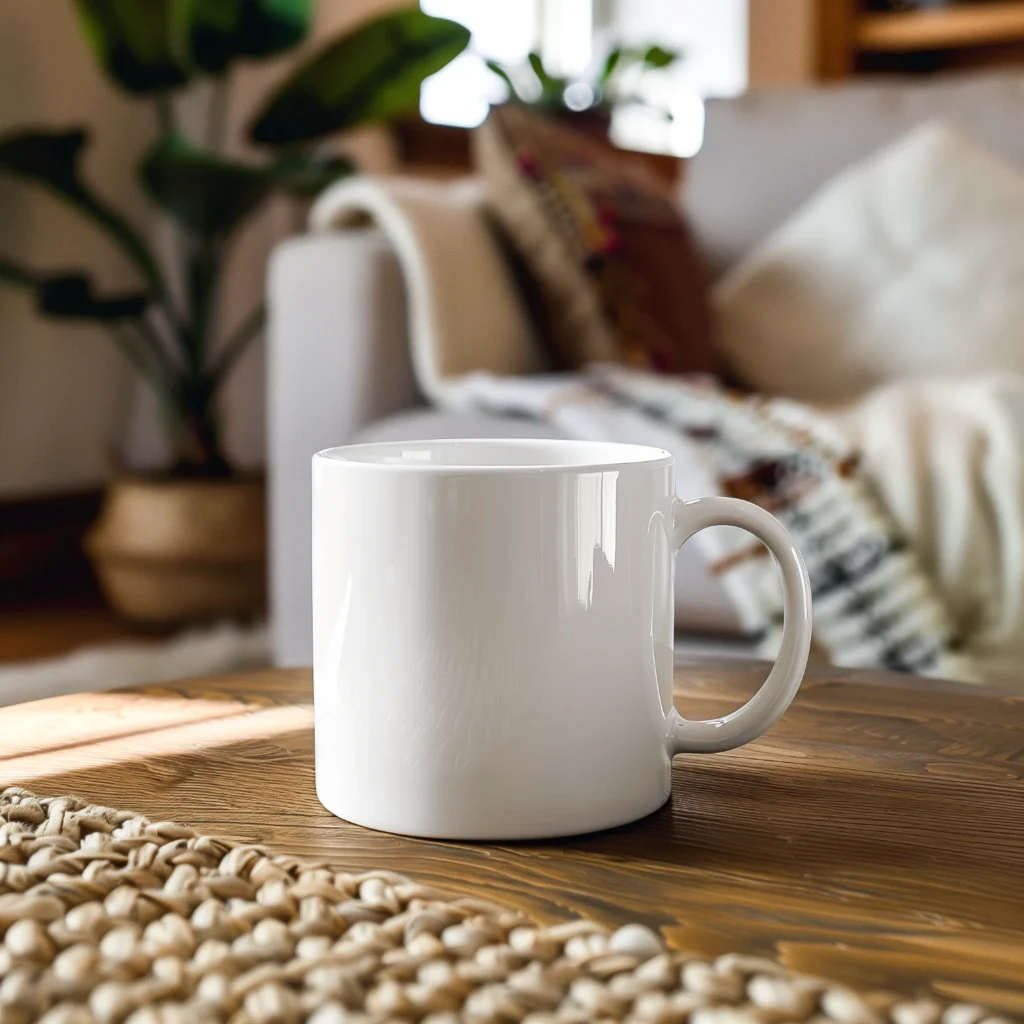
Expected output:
(109, 917)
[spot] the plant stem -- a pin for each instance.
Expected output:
(217, 121)
(187, 410)
(131, 352)
(238, 342)
(198, 441)
(172, 320)
(203, 267)
(129, 240)
(165, 114)
(200, 452)
(167, 123)
(162, 387)
(199, 448)
(151, 339)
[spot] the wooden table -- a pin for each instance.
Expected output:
(876, 835)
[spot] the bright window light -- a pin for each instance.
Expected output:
(567, 28)
(578, 96)
(462, 93)
(666, 114)
(503, 30)
(650, 129)
(712, 37)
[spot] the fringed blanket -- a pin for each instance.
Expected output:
(873, 604)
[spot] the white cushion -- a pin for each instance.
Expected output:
(766, 152)
(907, 264)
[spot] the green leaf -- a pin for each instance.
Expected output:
(152, 45)
(504, 76)
(205, 193)
(271, 26)
(533, 58)
(307, 174)
(221, 30)
(70, 295)
(610, 63)
(211, 196)
(15, 273)
(659, 57)
(135, 42)
(552, 89)
(370, 75)
(51, 158)
(210, 27)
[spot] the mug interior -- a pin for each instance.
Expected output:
(498, 454)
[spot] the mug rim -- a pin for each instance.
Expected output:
(605, 456)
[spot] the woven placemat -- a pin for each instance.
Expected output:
(109, 917)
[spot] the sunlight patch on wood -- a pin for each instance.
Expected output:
(118, 728)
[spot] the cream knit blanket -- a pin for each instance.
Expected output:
(947, 459)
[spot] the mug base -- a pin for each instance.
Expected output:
(520, 832)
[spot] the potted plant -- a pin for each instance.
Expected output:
(189, 543)
(584, 100)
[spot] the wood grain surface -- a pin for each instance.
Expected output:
(875, 835)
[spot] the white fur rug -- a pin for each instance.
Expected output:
(197, 652)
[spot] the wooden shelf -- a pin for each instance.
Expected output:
(943, 28)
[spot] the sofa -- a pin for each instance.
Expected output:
(338, 357)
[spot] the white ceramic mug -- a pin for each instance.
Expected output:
(492, 629)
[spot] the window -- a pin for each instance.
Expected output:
(667, 114)
(712, 37)
(503, 30)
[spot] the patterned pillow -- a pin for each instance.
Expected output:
(612, 256)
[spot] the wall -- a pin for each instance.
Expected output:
(783, 42)
(63, 389)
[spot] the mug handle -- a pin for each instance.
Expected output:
(778, 690)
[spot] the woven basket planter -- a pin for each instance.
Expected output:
(169, 552)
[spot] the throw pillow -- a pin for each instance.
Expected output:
(908, 264)
(611, 253)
